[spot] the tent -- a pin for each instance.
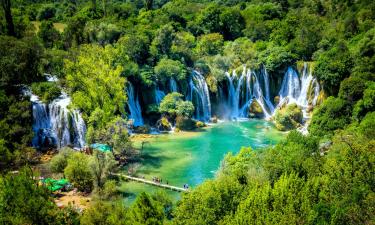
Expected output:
(101, 147)
(55, 185)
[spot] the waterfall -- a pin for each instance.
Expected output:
(56, 125)
(267, 99)
(290, 87)
(303, 91)
(241, 95)
(199, 95)
(159, 95)
(173, 85)
(306, 80)
(134, 106)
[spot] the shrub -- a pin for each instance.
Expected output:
(78, 172)
(289, 117)
(333, 114)
(60, 161)
(47, 91)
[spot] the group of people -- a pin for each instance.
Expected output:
(158, 180)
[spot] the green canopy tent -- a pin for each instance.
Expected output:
(101, 147)
(55, 185)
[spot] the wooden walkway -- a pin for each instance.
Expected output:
(165, 186)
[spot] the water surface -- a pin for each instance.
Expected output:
(190, 158)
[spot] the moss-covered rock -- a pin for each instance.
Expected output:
(276, 100)
(256, 110)
(289, 117)
(163, 125)
(142, 129)
(185, 123)
(199, 124)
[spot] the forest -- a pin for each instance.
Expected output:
(75, 73)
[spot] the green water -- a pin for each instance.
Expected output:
(193, 157)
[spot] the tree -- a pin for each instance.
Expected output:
(161, 44)
(6, 4)
(146, 211)
(333, 114)
(78, 172)
(20, 61)
(105, 213)
(59, 162)
(101, 165)
(185, 109)
(169, 103)
(23, 201)
(95, 83)
(333, 66)
(148, 4)
(48, 34)
(168, 68)
(232, 24)
(209, 44)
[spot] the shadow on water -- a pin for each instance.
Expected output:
(149, 159)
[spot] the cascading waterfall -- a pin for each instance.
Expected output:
(173, 85)
(290, 87)
(159, 95)
(55, 124)
(303, 91)
(252, 90)
(134, 106)
(199, 95)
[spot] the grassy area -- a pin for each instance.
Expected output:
(58, 26)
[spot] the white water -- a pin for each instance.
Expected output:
(290, 87)
(295, 89)
(241, 95)
(199, 95)
(55, 124)
(173, 85)
(159, 95)
(134, 106)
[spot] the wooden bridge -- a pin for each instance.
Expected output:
(149, 182)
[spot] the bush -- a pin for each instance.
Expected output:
(60, 161)
(48, 34)
(169, 103)
(78, 172)
(333, 114)
(47, 91)
(185, 109)
(288, 118)
(168, 68)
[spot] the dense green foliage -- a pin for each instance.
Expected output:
(96, 47)
(173, 105)
(48, 91)
(24, 202)
(288, 117)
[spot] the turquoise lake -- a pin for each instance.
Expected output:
(192, 157)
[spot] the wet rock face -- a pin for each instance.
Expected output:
(255, 110)
(163, 125)
(288, 118)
